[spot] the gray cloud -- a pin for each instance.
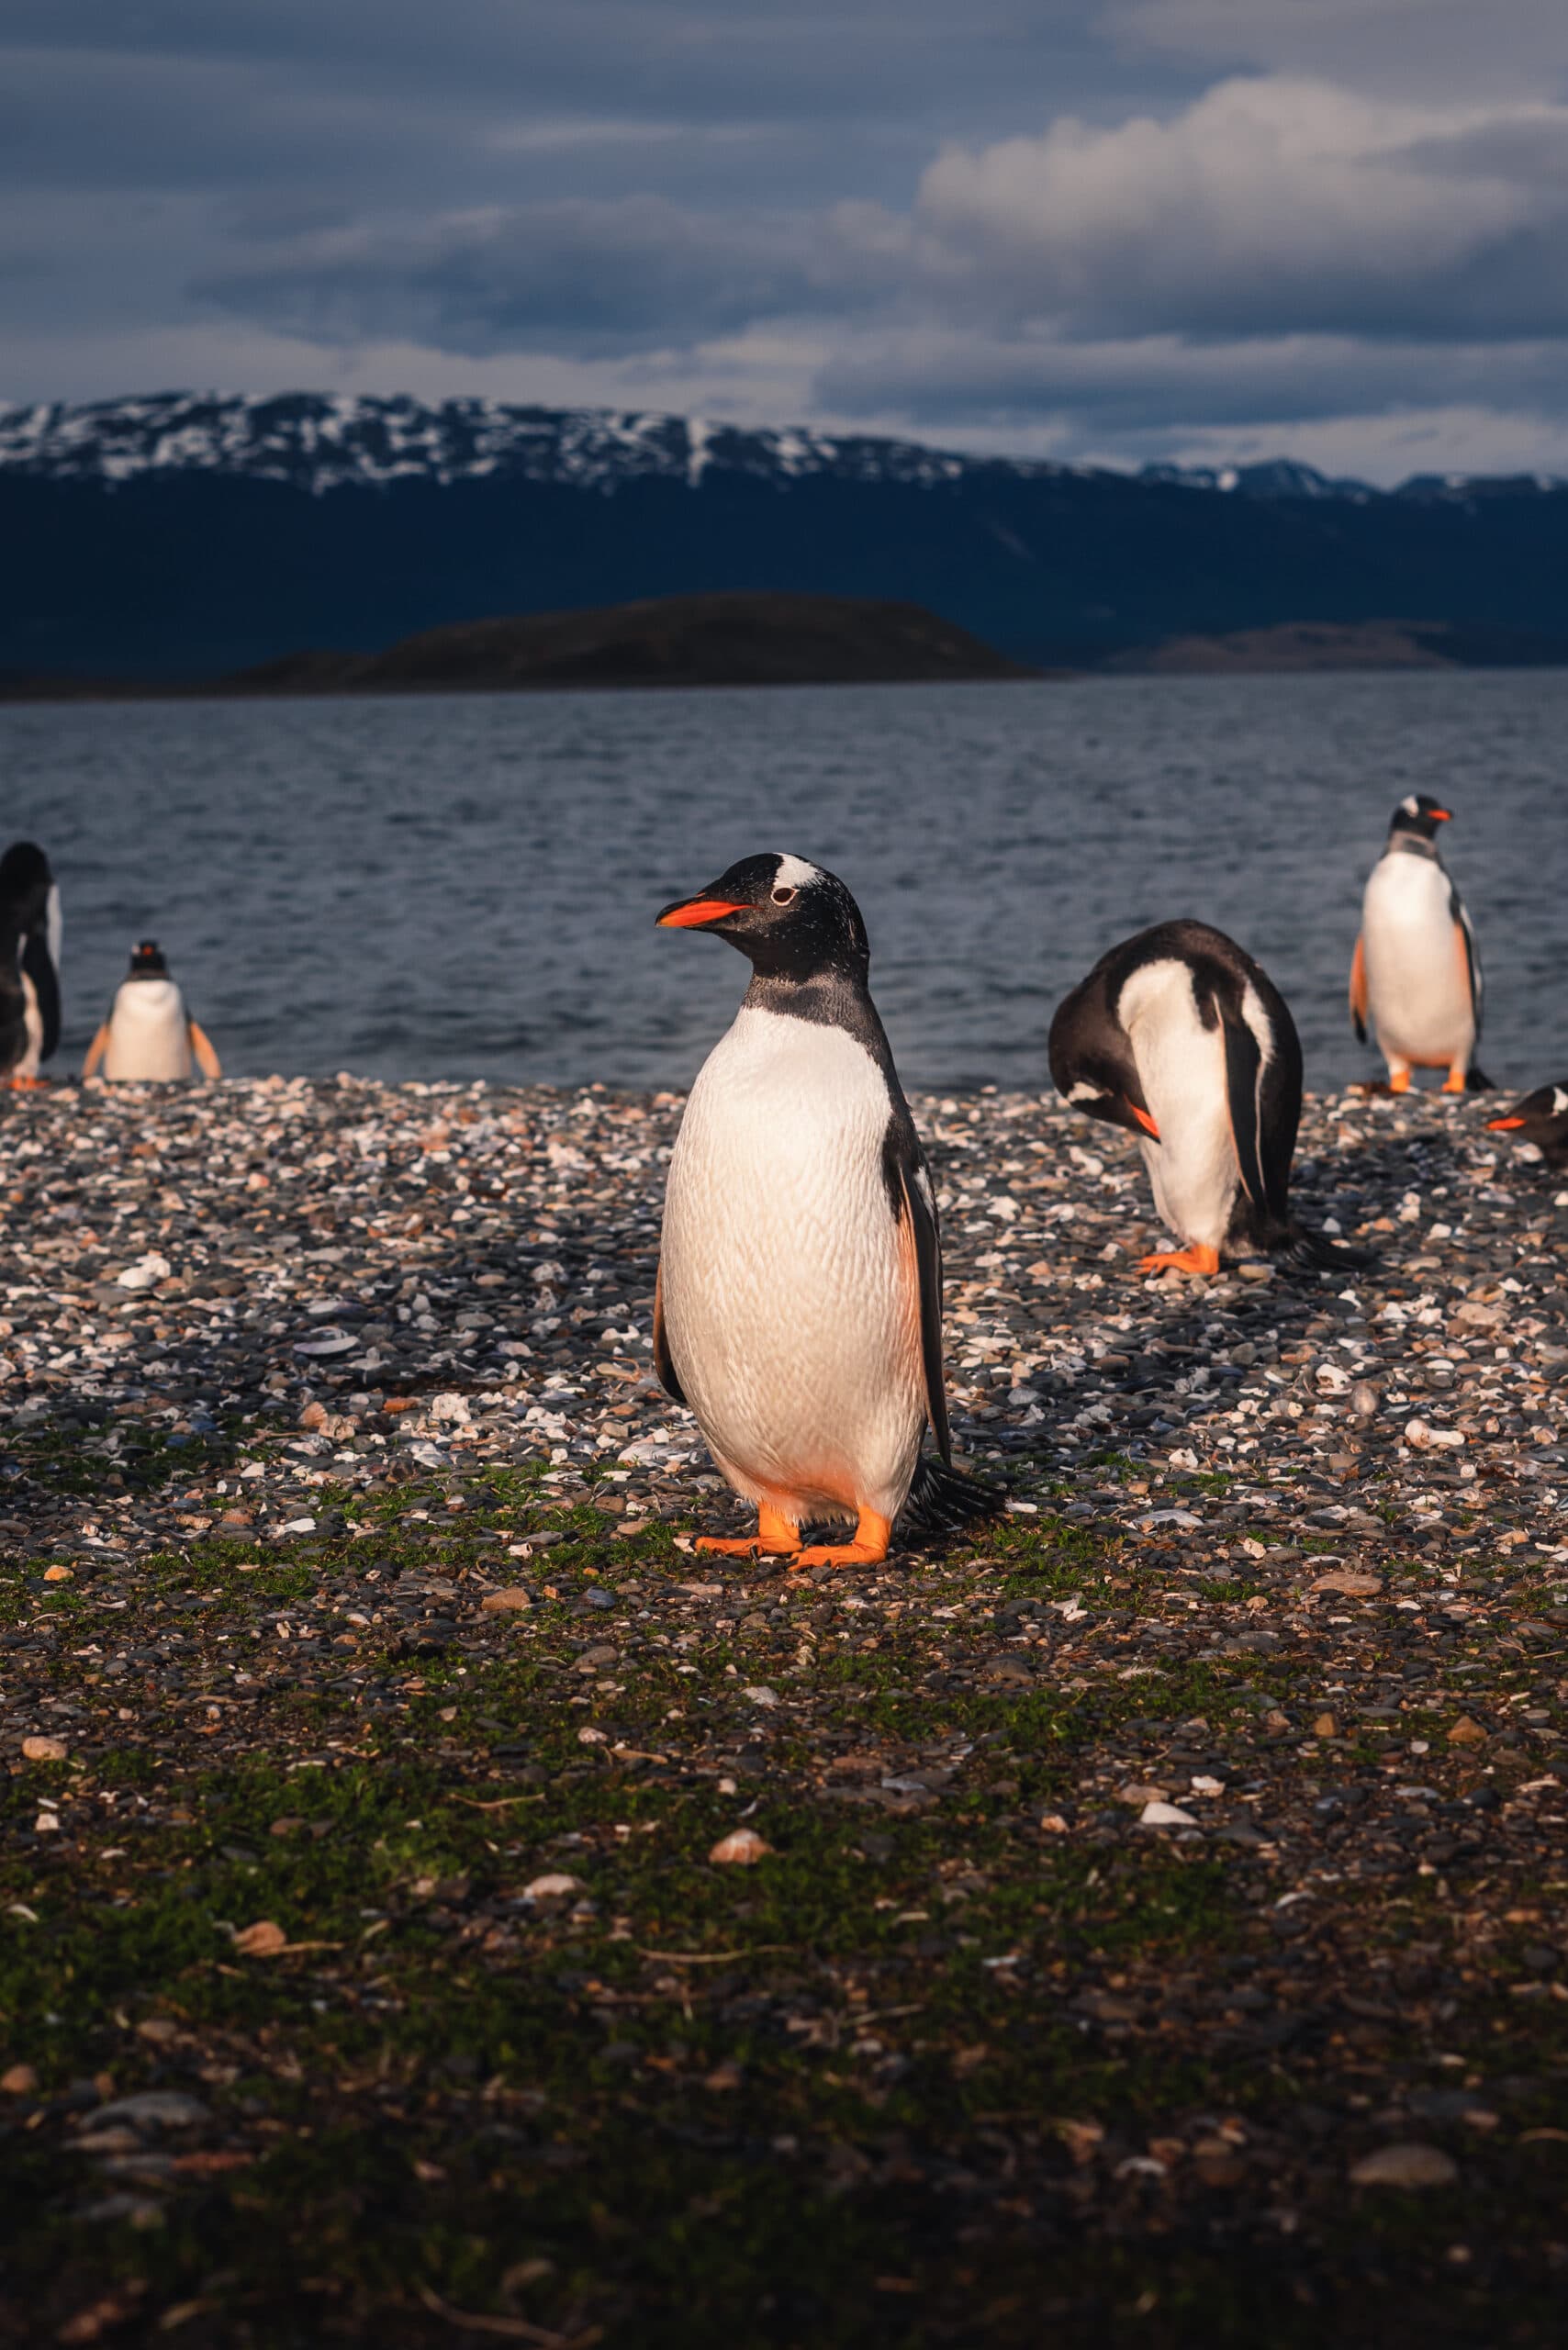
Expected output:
(1083, 226)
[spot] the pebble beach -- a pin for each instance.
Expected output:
(1161, 1903)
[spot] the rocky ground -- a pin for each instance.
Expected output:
(1160, 1920)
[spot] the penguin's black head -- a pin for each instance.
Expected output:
(792, 920)
(25, 877)
(147, 960)
(1419, 813)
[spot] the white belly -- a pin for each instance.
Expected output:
(791, 1316)
(1180, 1066)
(1417, 981)
(149, 1034)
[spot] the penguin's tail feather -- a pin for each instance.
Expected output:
(1315, 1252)
(942, 1501)
(1477, 1081)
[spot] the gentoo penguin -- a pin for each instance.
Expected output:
(1180, 1036)
(1541, 1118)
(29, 963)
(1415, 973)
(149, 1034)
(798, 1309)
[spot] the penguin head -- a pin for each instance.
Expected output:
(147, 961)
(25, 878)
(1543, 1112)
(1420, 814)
(793, 921)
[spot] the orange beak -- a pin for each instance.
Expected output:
(1440, 815)
(1503, 1125)
(1145, 1120)
(690, 913)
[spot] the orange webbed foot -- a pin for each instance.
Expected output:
(775, 1538)
(867, 1548)
(1399, 1081)
(20, 1085)
(1454, 1081)
(1196, 1259)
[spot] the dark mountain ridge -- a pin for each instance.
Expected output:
(185, 535)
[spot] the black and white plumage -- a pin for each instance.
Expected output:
(29, 963)
(1415, 976)
(798, 1305)
(1540, 1118)
(149, 1037)
(1181, 1037)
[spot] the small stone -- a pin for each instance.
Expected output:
(763, 1696)
(1405, 2165)
(553, 1885)
(742, 1847)
(513, 1600)
(586, 1737)
(1364, 1399)
(1466, 1732)
(1326, 1727)
(152, 2109)
(264, 1939)
(1417, 1435)
(1165, 1814)
(44, 1749)
(314, 1416)
(1351, 1583)
(19, 2080)
(59, 1575)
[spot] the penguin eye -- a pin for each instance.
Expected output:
(785, 897)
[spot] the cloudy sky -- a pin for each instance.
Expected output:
(1093, 229)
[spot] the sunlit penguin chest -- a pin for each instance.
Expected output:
(1180, 1066)
(1418, 980)
(791, 1308)
(149, 1036)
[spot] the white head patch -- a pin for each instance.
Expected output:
(794, 873)
(1082, 1090)
(1559, 1099)
(1410, 804)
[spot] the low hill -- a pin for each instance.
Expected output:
(738, 639)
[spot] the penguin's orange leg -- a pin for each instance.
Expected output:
(20, 1085)
(1198, 1259)
(775, 1538)
(869, 1548)
(1399, 1077)
(1454, 1081)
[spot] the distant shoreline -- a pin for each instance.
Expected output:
(690, 642)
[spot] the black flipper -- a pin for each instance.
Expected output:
(919, 1214)
(664, 1362)
(1243, 1086)
(39, 965)
(1471, 955)
(1477, 1081)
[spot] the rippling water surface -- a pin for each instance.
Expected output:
(465, 886)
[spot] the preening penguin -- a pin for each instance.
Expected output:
(1416, 974)
(1181, 1037)
(149, 1034)
(29, 963)
(1540, 1118)
(798, 1310)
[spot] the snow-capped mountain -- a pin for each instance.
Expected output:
(185, 534)
(319, 440)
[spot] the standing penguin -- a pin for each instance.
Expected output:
(149, 1034)
(1415, 973)
(29, 964)
(1540, 1118)
(1181, 1037)
(798, 1305)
